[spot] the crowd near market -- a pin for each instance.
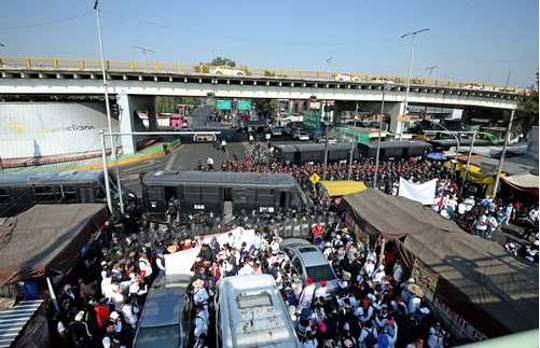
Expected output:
(377, 300)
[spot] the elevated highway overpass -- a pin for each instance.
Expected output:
(134, 82)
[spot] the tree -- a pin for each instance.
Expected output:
(527, 113)
(168, 104)
(267, 107)
(222, 61)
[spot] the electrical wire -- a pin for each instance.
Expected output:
(43, 24)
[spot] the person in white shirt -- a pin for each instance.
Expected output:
(397, 272)
(380, 275)
(130, 313)
(436, 336)
(307, 294)
(322, 290)
(369, 330)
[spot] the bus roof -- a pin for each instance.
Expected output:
(68, 177)
(255, 315)
(218, 178)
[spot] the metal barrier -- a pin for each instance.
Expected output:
(31, 63)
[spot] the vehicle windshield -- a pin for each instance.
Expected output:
(159, 337)
(321, 272)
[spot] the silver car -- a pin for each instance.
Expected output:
(166, 317)
(308, 261)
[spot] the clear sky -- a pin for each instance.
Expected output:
(473, 40)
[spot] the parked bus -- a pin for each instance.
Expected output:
(20, 191)
(216, 192)
(251, 313)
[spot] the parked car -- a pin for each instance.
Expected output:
(300, 134)
(226, 70)
(347, 78)
(309, 261)
(276, 131)
(166, 318)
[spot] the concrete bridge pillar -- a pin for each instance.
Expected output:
(129, 120)
(392, 109)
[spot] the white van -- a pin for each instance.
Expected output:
(251, 313)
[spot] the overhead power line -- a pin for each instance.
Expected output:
(43, 24)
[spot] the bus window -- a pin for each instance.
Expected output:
(46, 194)
(211, 194)
(4, 196)
(241, 196)
(69, 194)
(265, 196)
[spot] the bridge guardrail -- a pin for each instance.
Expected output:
(30, 63)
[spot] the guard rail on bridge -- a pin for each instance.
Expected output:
(92, 65)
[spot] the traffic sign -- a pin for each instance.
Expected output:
(223, 104)
(244, 105)
(314, 178)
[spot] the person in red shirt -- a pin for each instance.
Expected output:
(102, 312)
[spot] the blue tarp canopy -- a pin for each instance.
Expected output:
(437, 156)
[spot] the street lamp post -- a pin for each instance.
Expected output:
(413, 34)
(351, 158)
(379, 140)
(452, 134)
(503, 154)
(430, 69)
(107, 105)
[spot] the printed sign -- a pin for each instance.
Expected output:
(425, 278)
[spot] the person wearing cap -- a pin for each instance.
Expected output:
(415, 300)
(200, 294)
(379, 275)
(322, 289)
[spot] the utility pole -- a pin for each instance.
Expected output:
(107, 105)
(507, 79)
(326, 110)
(406, 112)
(381, 119)
(503, 154)
(468, 164)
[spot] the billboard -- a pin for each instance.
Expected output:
(38, 129)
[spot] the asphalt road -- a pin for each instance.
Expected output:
(185, 157)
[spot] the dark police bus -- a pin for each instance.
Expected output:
(20, 191)
(216, 192)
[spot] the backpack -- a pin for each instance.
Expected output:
(370, 340)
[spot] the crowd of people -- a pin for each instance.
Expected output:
(375, 303)
(99, 305)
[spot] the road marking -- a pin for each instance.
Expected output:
(170, 161)
(146, 165)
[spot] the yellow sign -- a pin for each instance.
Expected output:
(404, 118)
(425, 278)
(314, 178)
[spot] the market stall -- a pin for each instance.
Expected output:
(472, 284)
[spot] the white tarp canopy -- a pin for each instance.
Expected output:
(423, 193)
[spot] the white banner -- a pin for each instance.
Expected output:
(180, 262)
(423, 193)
